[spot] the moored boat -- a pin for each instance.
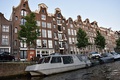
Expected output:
(55, 64)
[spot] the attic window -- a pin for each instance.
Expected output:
(24, 5)
(16, 18)
(43, 11)
(59, 15)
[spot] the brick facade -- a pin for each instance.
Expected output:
(57, 34)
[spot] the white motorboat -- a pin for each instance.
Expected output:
(55, 64)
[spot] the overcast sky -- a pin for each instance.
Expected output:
(105, 12)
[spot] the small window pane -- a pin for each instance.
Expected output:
(67, 59)
(56, 60)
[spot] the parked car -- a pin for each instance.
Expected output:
(106, 58)
(94, 55)
(85, 59)
(115, 55)
(6, 56)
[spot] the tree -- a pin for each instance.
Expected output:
(118, 43)
(29, 31)
(82, 39)
(100, 41)
(117, 48)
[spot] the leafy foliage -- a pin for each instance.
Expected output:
(28, 32)
(82, 39)
(118, 43)
(100, 41)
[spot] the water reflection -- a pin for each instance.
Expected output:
(100, 72)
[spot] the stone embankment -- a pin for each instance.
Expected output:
(8, 69)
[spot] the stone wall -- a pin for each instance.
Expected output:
(13, 68)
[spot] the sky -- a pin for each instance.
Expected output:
(105, 12)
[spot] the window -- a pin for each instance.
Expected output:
(69, 32)
(61, 44)
(5, 39)
(44, 33)
(54, 26)
(67, 59)
(15, 43)
(65, 36)
(49, 34)
(23, 21)
(44, 24)
(48, 25)
(40, 60)
(56, 60)
(39, 43)
(56, 43)
(75, 32)
(58, 21)
(63, 28)
(46, 59)
(23, 44)
(53, 19)
(73, 40)
(4, 49)
(43, 17)
(60, 36)
(59, 28)
(16, 30)
(50, 44)
(70, 40)
(43, 11)
(70, 20)
(59, 15)
(71, 25)
(16, 18)
(5, 28)
(24, 5)
(63, 21)
(38, 23)
(55, 35)
(23, 54)
(39, 32)
(44, 43)
(23, 13)
(72, 31)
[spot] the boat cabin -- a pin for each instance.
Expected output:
(56, 59)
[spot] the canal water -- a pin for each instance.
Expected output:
(109, 71)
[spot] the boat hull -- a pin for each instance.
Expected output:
(55, 70)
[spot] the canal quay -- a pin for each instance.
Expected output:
(108, 71)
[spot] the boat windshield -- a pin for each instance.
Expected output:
(44, 60)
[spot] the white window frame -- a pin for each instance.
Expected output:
(5, 40)
(50, 44)
(44, 33)
(5, 28)
(48, 25)
(43, 17)
(44, 24)
(49, 34)
(39, 43)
